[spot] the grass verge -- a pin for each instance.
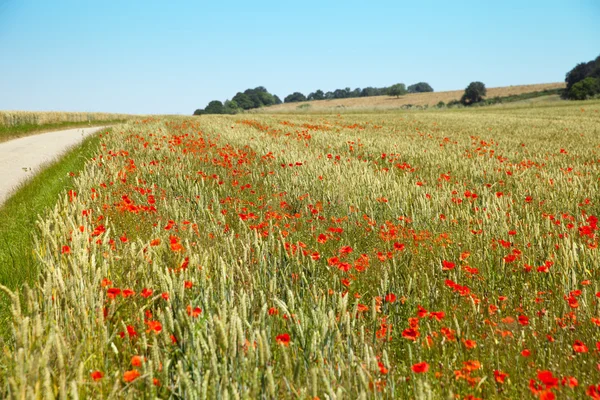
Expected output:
(13, 132)
(19, 214)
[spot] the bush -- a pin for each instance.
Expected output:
(397, 90)
(584, 89)
(579, 73)
(420, 87)
(474, 93)
(295, 97)
(214, 107)
(441, 104)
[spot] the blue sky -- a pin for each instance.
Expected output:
(171, 57)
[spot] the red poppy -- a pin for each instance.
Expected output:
(523, 320)
(420, 368)
(447, 265)
(113, 292)
(399, 246)
(128, 292)
(155, 326)
(526, 353)
(500, 376)
(146, 292)
(193, 312)
(131, 331)
(382, 368)
(188, 284)
(390, 297)
(580, 347)
(97, 375)
(410, 334)
(65, 250)
(283, 339)
(130, 376)
(165, 295)
(136, 361)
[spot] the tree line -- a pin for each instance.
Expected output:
(260, 97)
(583, 81)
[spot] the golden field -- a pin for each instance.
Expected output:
(389, 102)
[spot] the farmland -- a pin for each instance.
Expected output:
(377, 255)
(362, 104)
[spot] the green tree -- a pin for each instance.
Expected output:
(214, 107)
(199, 111)
(316, 95)
(231, 107)
(420, 87)
(580, 72)
(585, 89)
(397, 90)
(277, 99)
(243, 101)
(294, 98)
(474, 93)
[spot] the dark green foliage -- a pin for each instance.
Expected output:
(317, 95)
(277, 99)
(199, 111)
(214, 107)
(474, 93)
(584, 89)
(243, 101)
(578, 74)
(294, 98)
(420, 87)
(231, 107)
(441, 104)
(397, 90)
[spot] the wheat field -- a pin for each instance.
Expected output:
(426, 255)
(388, 103)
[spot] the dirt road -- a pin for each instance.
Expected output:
(22, 158)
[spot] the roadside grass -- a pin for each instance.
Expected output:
(18, 216)
(12, 132)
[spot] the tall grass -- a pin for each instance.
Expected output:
(16, 118)
(417, 255)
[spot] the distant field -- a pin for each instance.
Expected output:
(389, 102)
(14, 124)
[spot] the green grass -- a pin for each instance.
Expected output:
(18, 216)
(13, 132)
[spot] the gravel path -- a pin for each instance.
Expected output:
(23, 157)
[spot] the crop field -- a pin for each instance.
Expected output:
(391, 103)
(426, 255)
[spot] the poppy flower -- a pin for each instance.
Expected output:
(382, 368)
(155, 326)
(410, 334)
(523, 320)
(146, 292)
(130, 376)
(500, 376)
(113, 292)
(136, 361)
(390, 297)
(188, 284)
(65, 250)
(283, 339)
(526, 353)
(420, 368)
(580, 347)
(447, 265)
(131, 331)
(165, 295)
(127, 293)
(193, 312)
(97, 375)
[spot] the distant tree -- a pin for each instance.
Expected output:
(474, 93)
(265, 98)
(368, 91)
(397, 90)
(214, 107)
(339, 94)
(316, 95)
(294, 98)
(329, 95)
(277, 99)
(355, 93)
(243, 101)
(580, 72)
(420, 87)
(584, 89)
(254, 97)
(199, 112)
(231, 107)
